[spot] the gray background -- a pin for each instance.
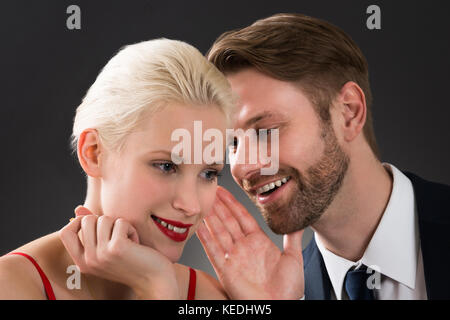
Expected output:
(46, 70)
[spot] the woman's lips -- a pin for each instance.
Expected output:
(175, 230)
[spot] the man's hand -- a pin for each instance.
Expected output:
(248, 264)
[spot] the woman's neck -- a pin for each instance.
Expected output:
(93, 196)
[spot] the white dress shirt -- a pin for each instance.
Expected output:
(394, 249)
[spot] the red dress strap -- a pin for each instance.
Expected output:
(47, 286)
(192, 284)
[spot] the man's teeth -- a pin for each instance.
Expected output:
(272, 185)
(170, 227)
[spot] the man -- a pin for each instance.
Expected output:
(379, 232)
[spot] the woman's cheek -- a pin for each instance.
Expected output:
(152, 186)
(208, 197)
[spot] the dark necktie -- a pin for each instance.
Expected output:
(355, 284)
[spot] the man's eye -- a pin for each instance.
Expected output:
(268, 131)
(165, 167)
(233, 145)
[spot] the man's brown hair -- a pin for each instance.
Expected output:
(308, 51)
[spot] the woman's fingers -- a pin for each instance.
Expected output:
(70, 239)
(124, 230)
(219, 232)
(104, 230)
(247, 223)
(212, 248)
(82, 211)
(89, 231)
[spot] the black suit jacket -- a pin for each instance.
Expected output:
(433, 206)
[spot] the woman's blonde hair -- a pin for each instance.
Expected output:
(140, 79)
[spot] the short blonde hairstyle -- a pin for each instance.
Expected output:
(140, 79)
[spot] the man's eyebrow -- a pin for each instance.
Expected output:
(258, 117)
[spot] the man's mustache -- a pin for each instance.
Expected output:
(257, 180)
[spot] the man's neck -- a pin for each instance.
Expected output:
(348, 225)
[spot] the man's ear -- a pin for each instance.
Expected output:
(89, 151)
(352, 100)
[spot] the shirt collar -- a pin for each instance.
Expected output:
(393, 249)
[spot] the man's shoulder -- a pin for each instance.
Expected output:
(432, 198)
(421, 182)
(433, 207)
(310, 252)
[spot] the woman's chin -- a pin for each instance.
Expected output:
(173, 254)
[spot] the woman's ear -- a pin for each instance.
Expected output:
(353, 102)
(89, 151)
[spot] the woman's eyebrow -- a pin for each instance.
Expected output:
(168, 153)
(177, 159)
(217, 164)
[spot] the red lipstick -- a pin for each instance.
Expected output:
(164, 225)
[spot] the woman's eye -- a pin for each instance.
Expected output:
(165, 167)
(210, 175)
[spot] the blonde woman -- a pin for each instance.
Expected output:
(140, 207)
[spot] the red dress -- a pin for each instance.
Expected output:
(51, 295)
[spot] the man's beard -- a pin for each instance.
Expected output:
(314, 191)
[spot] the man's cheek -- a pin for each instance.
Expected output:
(301, 153)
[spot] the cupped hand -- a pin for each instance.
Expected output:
(109, 248)
(248, 264)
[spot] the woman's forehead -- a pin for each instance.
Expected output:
(165, 129)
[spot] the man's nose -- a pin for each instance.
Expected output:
(246, 161)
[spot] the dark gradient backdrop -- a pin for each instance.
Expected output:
(46, 70)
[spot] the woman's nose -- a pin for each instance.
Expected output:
(186, 199)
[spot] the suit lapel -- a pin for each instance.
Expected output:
(317, 282)
(434, 225)
(433, 207)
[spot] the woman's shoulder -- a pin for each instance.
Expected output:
(206, 286)
(19, 278)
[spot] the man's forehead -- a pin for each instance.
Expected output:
(247, 117)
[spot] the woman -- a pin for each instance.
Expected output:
(141, 207)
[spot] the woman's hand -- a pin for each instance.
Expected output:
(110, 249)
(248, 264)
